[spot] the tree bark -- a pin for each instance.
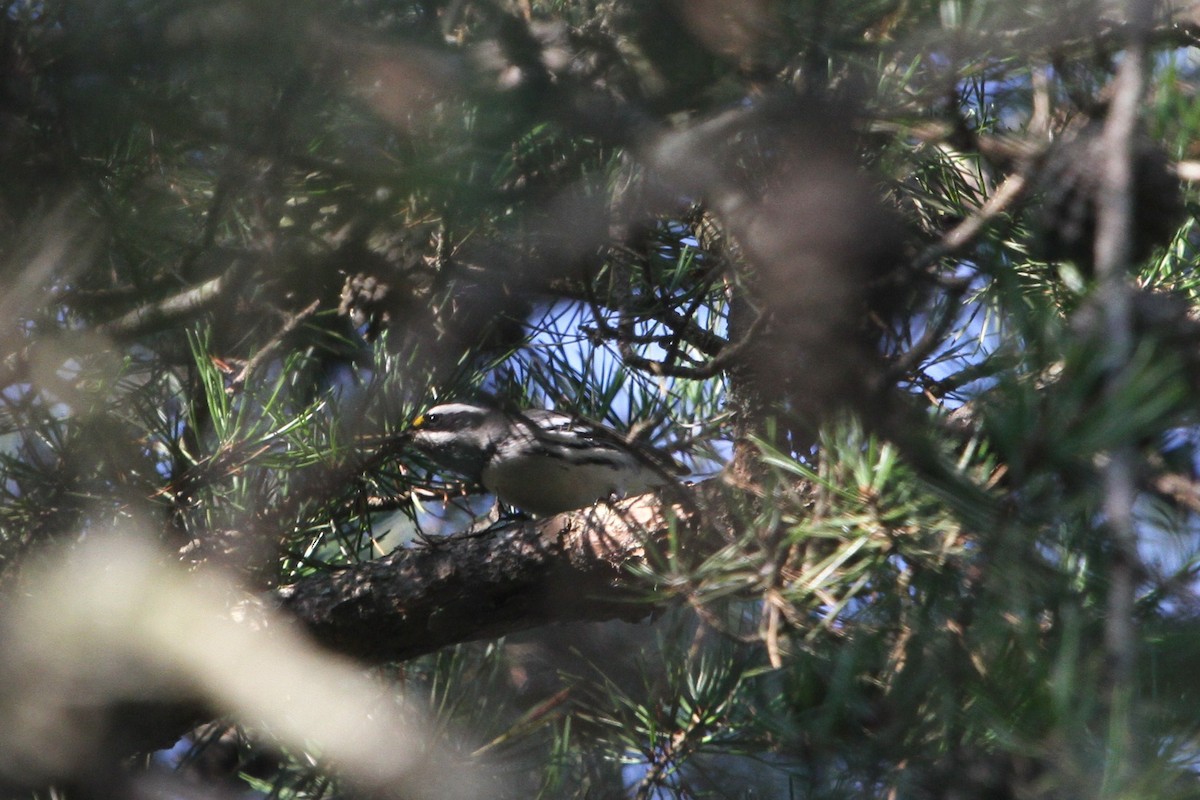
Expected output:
(414, 601)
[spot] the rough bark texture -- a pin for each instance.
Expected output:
(414, 601)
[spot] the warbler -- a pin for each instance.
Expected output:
(541, 462)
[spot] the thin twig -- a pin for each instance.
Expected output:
(723, 360)
(967, 231)
(1007, 193)
(290, 323)
(625, 337)
(931, 337)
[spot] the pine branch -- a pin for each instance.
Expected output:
(415, 601)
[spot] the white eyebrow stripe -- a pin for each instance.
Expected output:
(456, 408)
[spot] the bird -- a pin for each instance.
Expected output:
(539, 461)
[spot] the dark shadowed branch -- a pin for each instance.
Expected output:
(473, 586)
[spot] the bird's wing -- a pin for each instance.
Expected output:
(574, 431)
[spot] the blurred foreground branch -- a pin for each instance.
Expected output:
(115, 625)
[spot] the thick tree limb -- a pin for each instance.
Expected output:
(415, 601)
(166, 311)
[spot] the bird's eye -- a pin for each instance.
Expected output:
(425, 420)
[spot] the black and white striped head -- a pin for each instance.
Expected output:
(459, 436)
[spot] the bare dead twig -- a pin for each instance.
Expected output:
(290, 323)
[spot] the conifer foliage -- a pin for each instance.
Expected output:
(907, 287)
